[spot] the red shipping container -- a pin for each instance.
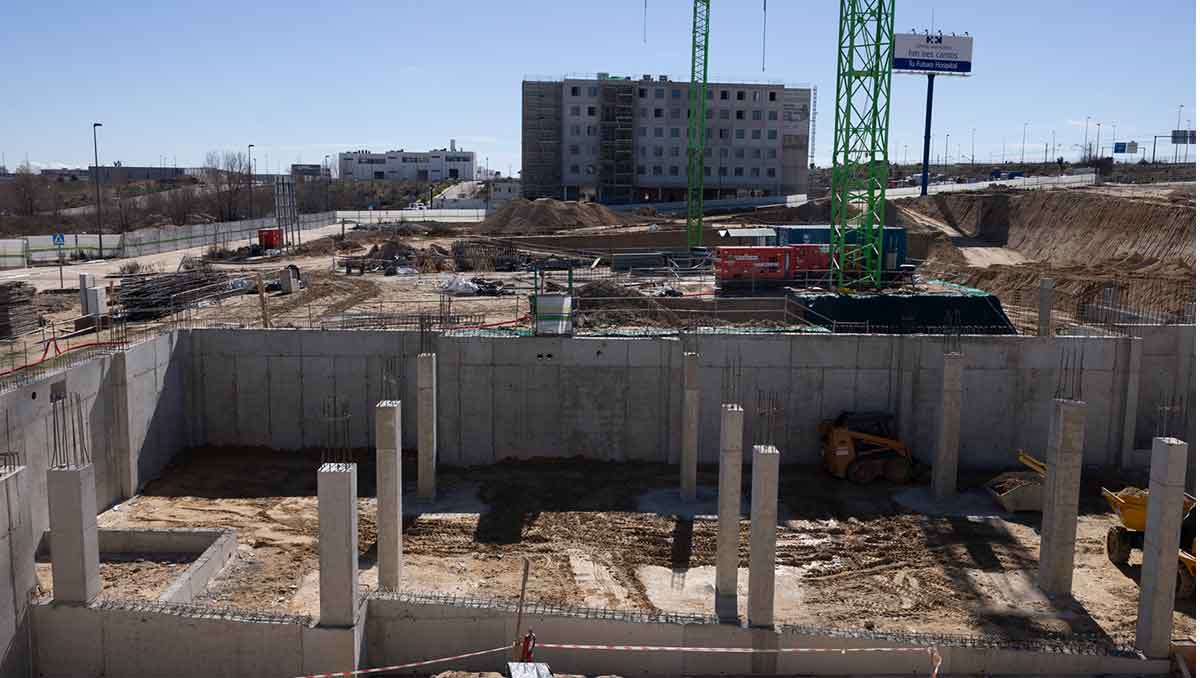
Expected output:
(270, 238)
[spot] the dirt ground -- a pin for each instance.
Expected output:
(848, 556)
(126, 576)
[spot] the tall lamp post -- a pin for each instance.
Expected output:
(1099, 153)
(96, 159)
(1178, 122)
(972, 145)
(1024, 130)
(249, 181)
(1083, 150)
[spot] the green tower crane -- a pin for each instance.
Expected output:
(697, 99)
(860, 141)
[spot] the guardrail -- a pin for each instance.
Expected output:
(1063, 181)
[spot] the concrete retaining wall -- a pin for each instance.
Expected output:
(400, 631)
(17, 577)
(619, 399)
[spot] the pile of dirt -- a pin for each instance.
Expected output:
(1069, 227)
(1006, 482)
(812, 212)
(546, 215)
(602, 303)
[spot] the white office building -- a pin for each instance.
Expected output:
(453, 164)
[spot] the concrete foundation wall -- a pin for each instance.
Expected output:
(399, 631)
(17, 577)
(619, 399)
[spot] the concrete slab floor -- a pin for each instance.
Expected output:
(848, 556)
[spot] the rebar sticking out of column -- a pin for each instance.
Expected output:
(1070, 372)
(390, 382)
(69, 432)
(336, 414)
(731, 379)
(767, 421)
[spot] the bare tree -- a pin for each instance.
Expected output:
(180, 203)
(225, 174)
(26, 188)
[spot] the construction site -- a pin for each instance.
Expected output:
(941, 432)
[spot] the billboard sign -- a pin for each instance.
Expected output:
(932, 53)
(796, 111)
(1183, 136)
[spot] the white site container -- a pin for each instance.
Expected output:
(551, 314)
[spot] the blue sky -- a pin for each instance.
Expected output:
(172, 80)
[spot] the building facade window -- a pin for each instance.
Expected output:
(574, 169)
(675, 94)
(574, 91)
(739, 153)
(641, 95)
(741, 95)
(658, 112)
(573, 149)
(724, 95)
(708, 113)
(753, 171)
(723, 133)
(674, 151)
(770, 96)
(674, 170)
(739, 133)
(591, 111)
(754, 95)
(592, 91)
(658, 151)
(658, 132)
(574, 110)
(576, 130)
(724, 113)
(755, 134)
(641, 131)
(659, 93)
(772, 115)
(674, 132)
(641, 170)
(738, 171)
(676, 114)
(658, 170)
(771, 134)
(756, 153)
(591, 131)
(756, 114)
(707, 171)
(740, 114)
(770, 154)
(771, 171)
(723, 172)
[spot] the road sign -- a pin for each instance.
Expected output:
(1131, 147)
(58, 239)
(1119, 147)
(1183, 136)
(932, 53)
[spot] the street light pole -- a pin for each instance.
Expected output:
(1099, 153)
(1114, 146)
(1083, 150)
(1178, 119)
(972, 145)
(249, 182)
(946, 155)
(1024, 130)
(96, 159)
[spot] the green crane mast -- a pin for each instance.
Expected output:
(860, 141)
(697, 99)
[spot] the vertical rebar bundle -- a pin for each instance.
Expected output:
(69, 435)
(1070, 372)
(336, 414)
(391, 380)
(731, 379)
(952, 333)
(12, 457)
(769, 408)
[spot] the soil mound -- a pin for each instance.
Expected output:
(546, 215)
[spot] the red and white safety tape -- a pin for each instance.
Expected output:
(410, 665)
(640, 648)
(729, 650)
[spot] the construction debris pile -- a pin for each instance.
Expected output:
(606, 303)
(546, 215)
(17, 315)
(152, 296)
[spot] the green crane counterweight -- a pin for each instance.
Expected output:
(860, 138)
(697, 99)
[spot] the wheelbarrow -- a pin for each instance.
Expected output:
(1130, 506)
(1020, 491)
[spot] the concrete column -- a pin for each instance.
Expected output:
(1132, 385)
(1060, 498)
(1046, 308)
(690, 453)
(337, 507)
(389, 490)
(729, 511)
(427, 422)
(1160, 554)
(945, 463)
(74, 543)
(764, 512)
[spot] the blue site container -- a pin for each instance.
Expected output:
(895, 241)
